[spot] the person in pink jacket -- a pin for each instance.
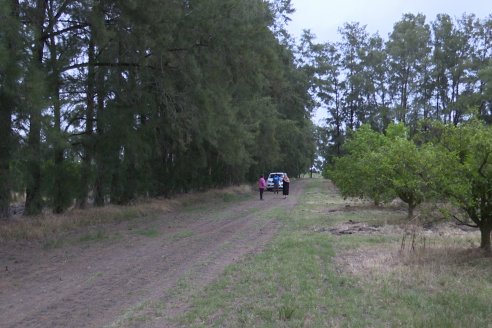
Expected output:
(261, 186)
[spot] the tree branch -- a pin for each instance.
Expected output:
(483, 164)
(67, 29)
(78, 134)
(464, 223)
(54, 19)
(73, 120)
(86, 64)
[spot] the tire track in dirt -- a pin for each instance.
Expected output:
(92, 286)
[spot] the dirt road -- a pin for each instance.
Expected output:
(101, 283)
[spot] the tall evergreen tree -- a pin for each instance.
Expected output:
(354, 41)
(36, 74)
(10, 58)
(408, 47)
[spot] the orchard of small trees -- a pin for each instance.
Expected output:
(408, 115)
(445, 162)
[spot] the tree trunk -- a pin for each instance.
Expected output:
(409, 198)
(411, 208)
(99, 194)
(5, 152)
(88, 143)
(485, 231)
(60, 201)
(34, 201)
(7, 104)
(99, 190)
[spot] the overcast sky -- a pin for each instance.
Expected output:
(324, 17)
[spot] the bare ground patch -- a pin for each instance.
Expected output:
(351, 227)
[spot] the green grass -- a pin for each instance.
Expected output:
(151, 233)
(301, 279)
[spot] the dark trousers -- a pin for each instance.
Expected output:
(261, 193)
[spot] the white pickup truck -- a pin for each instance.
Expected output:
(270, 180)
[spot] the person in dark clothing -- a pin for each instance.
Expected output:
(285, 190)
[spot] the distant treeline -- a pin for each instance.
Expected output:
(439, 70)
(105, 101)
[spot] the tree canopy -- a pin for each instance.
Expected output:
(438, 70)
(109, 101)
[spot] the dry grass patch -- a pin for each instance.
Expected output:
(219, 195)
(436, 261)
(47, 225)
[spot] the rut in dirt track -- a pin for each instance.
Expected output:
(93, 286)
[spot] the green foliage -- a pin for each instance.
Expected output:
(470, 172)
(362, 172)
(136, 99)
(380, 167)
(9, 74)
(397, 131)
(63, 177)
(412, 174)
(486, 76)
(448, 162)
(425, 70)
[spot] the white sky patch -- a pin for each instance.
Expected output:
(324, 17)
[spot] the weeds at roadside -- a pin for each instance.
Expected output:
(286, 312)
(49, 227)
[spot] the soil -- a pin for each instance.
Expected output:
(96, 283)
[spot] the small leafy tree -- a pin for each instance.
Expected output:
(362, 172)
(470, 174)
(411, 172)
(382, 167)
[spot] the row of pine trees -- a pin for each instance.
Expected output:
(105, 101)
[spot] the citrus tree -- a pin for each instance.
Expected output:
(362, 172)
(469, 177)
(415, 171)
(383, 167)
